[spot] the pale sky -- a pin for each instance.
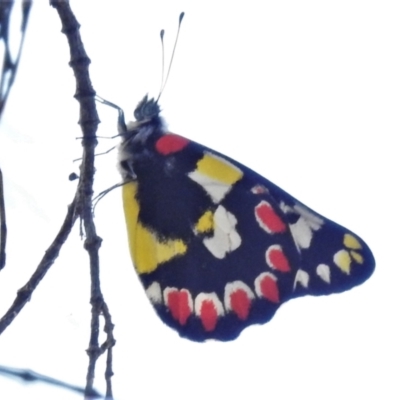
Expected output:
(319, 82)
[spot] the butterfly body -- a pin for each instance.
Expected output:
(217, 246)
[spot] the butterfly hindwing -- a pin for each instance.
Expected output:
(218, 247)
(333, 259)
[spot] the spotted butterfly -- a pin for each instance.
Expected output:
(217, 246)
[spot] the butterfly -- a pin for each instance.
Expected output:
(216, 246)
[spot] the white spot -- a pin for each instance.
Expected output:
(302, 234)
(154, 293)
(303, 278)
(225, 238)
(216, 189)
(303, 230)
(314, 221)
(324, 272)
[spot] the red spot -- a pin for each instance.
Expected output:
(268, 219)
(208, 315)
(240, 303)
(171, 143)
(179, 303)
(276, 259)
(269, 288)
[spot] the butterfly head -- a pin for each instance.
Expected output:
(147, 115)
(146, 110)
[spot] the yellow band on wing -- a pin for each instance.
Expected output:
(131, 209)
(147, 251)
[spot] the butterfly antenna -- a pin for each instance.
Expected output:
(164, 82)
(162, 61)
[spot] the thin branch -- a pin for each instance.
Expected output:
(88, 121)
(8, 73)
(80, 207)
(9, 69)
(51, 254)
(31, 376)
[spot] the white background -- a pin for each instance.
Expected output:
(307, 93)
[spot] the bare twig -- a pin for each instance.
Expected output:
(24, 294)
(8, 73)
(88, 121)
(80, 207)
(31, 376)
(10, 66)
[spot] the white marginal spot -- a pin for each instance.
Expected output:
(303, 278)
(231, 288)
(303, 229)
(324, 272)
(154, 293)
(225, 238)
(208, 297)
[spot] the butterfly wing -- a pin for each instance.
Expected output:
(333, 259)
(218, 247)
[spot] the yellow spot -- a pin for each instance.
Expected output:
(342, 260)
(351, 242)
(357, 257)
(147, 251)
(205, 222)
(131, 209)
(219, 169)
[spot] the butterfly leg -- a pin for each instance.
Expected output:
(121, 116)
